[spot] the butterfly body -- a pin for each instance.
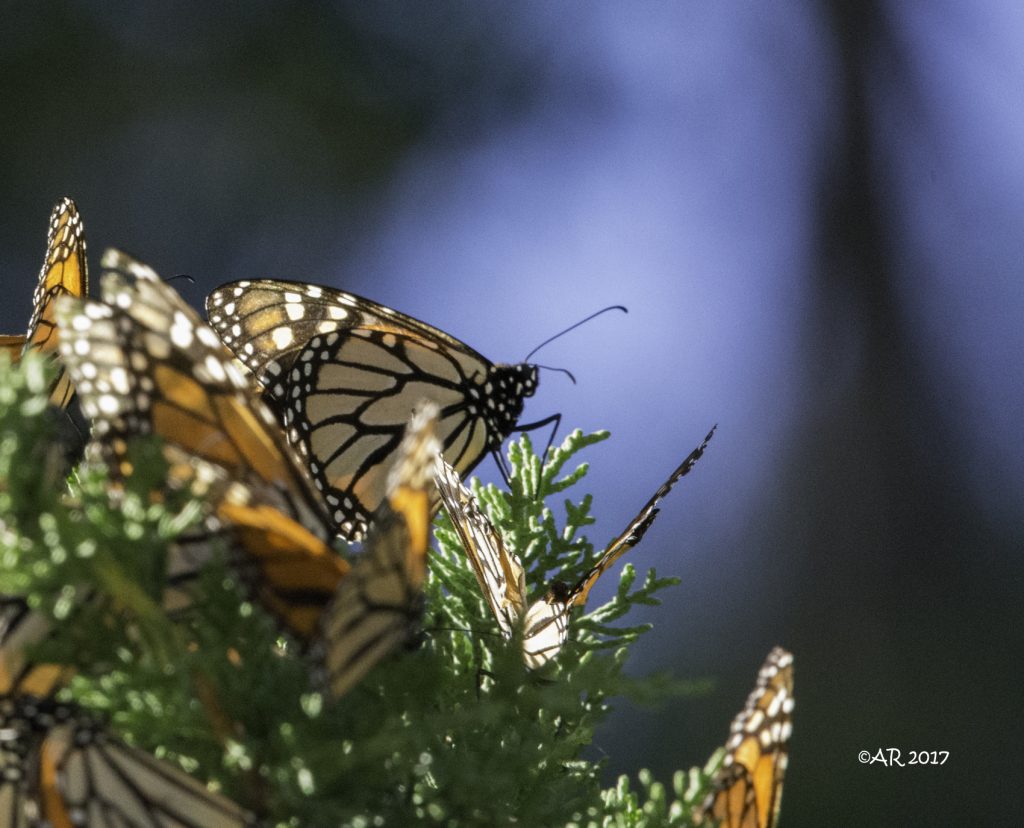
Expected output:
(345, 373)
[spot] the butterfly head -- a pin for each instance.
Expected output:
(505, 389)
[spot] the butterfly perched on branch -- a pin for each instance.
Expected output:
(60, 767)
(344, 374)
(148, 365)
(145, 363)
(502, 579)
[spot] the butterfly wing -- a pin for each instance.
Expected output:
(59, 768)
(747, 790)
(268, 322)
(345, 373)
(64, 273)
(377, 607)
(637, 527)
(13, 345)
(545, 628)
(22, 628)
(144, 363)
(498, 571)
(546, 625)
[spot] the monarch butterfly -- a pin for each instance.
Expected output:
(59, 768)
(144, 363)
(747, 790)
(379, 604)
(499, 571)
(64, 272)
(344, 373)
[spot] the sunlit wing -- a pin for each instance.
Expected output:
(144, 363)
(64, 273)
(378, 606)
(545, 623)
(344, 374)
(498, 571)
(747, 790)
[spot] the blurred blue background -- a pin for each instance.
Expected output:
(814, 212)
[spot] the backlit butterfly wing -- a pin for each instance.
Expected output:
(345, 373)
(64, 273)
(747, 790)
(637, 527)
(59, 769)
(500, 574)
(378, 606)
(144, 363)
(498, 571)
(545, 628)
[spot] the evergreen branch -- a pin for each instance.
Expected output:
(457, 732)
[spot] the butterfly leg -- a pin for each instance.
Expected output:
(556, 420)
(499, 461)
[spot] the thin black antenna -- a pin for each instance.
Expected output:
(180, 276)
(565, 371)
(573, 327)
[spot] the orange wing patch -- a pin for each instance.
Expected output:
(145, 363)
(64, 273)
(747, 789)
(377, 607)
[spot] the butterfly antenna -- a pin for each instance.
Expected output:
(573, 327)
(565, 371)
(181, 276)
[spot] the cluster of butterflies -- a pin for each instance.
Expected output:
(300, 414)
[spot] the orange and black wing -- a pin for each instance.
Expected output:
(747, 790)
(636, 529)
(144, 363)
(12, 345)
(21, 629)
(378, 606)
(498, 571)
(59, 768)
(546, 622)
(344, 375)
(64, 273)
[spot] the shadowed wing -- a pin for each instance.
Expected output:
(59, 768)
(637, 527)
(378, 606)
